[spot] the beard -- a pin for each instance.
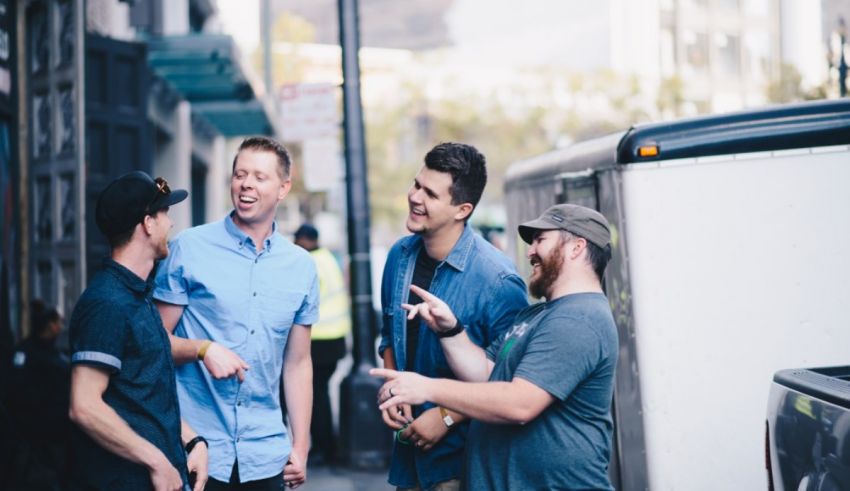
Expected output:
(162, 249)
(549, 271)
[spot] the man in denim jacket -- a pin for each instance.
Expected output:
(481, 285)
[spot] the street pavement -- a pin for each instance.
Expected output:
(339, 478)
(343, 479)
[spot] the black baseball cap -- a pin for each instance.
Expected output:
(128, 199)
(578, 220)
(307, 231)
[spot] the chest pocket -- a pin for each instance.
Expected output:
(278, 308)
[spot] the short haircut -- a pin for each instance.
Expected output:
(266, 144)
(121, 239)
(597, 257)
(467, 167)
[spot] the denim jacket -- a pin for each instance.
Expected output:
(484, 291)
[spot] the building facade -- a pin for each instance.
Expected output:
(90, 90)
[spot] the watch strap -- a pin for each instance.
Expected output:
(190, 445)
(457, 329)
(447, 418)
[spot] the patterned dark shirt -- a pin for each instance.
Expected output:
(115, 327)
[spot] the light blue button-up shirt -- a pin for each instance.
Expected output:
(247, 302)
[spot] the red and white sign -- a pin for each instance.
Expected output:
(308, 111)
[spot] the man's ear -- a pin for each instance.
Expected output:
(285, 186)
(463, 211)
(147, 225)
(576, 246)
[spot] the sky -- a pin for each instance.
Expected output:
(531, 32)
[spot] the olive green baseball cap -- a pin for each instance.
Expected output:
(575, 219)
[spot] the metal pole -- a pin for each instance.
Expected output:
(842, 69)
(365, 438)
(266, 40)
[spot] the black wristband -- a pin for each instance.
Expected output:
(194, 441)
(457, 329)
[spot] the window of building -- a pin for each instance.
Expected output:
(756, 55)
(668, 53)
(756, 7)
(729, 5)
(696, 50)
(728, 48)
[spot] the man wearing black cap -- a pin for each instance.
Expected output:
(541, 395)
(123, 389)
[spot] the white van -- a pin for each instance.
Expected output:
(731, 261)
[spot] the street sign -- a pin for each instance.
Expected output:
(308, 111)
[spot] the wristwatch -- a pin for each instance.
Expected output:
(457, 329)
(447, 418)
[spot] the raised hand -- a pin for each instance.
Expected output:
(436, 314)
(401, 388)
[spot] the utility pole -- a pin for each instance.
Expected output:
(842, 60)
(365, 438)
(266, 41)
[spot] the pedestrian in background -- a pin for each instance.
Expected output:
(123, 391)
(37, 401)
(443, 256)
(328, 342)
(242, 299)
(541, 395)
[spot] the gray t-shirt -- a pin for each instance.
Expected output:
(567, 347)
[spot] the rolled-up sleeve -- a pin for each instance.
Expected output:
(99, 338)
(507, 299)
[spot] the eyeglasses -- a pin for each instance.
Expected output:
(161, 189)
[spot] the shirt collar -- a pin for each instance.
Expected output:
(459, 255)
(243, 240)
(127, 277)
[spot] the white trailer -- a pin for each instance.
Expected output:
(731, 261)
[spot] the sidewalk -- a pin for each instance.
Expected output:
(343, 479)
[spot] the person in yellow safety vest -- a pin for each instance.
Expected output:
(327, 342)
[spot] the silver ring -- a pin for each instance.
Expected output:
(391, 392)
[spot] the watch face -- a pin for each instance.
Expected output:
(448, 420)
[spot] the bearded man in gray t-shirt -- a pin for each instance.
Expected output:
(541, 395)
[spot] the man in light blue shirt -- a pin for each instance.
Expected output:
(242, 299)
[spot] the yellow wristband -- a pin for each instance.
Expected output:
(202, 351)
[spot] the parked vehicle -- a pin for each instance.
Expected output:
(808, 430)
(731, 261)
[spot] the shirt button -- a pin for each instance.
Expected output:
(238, 403)
(255, 294)
(252, 331)
(255, 260)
